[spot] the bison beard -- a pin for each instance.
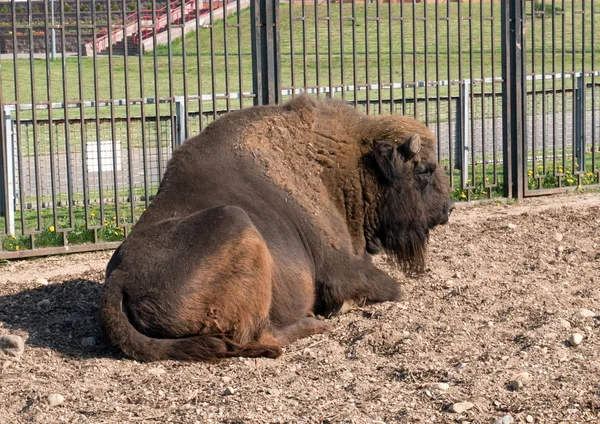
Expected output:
(237, 263)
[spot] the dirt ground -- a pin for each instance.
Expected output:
(500, 297)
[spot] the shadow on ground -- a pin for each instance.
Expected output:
(58, 317)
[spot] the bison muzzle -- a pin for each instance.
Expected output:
(267, 219)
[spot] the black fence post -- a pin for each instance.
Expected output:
(266, 58)
(512, 97)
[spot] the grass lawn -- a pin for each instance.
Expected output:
(385, 43)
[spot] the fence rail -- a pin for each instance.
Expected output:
(509, 87)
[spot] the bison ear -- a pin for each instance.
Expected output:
(412, 146)
(385, 153)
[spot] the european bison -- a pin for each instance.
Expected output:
(266, 219)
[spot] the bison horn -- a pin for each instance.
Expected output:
(414, 144)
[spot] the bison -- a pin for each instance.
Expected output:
(266, 222)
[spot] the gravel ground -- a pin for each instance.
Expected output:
(487, 334)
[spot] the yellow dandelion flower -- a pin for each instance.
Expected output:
(13, 237)
(51, 228)
(530, 173)
(114, 218)
(17, 247)
(463, 196)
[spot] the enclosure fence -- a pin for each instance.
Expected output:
(95, 95)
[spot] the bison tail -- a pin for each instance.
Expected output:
(122, 333)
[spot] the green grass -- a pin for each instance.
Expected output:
(407, 51)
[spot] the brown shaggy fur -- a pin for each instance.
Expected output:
(264, 220)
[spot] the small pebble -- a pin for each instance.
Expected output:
(529, 418)
(440, 387)
(457, 275)
(560, 249)
(229, 391)
(157, 371)
(88, 341)
(12, 345)
(55, 399)
(518, 381)
(558, 237)
(584, 313)
(226, 379)
(564, 323)
(575, 339)
(507, 419)
(511, 226)
(41, 281)
(461, 407)
(43, 303)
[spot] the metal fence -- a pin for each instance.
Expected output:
(508, 86)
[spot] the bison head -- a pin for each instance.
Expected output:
(413, 197)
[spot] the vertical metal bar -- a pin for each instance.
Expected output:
(240, 54)
(593, 64)
(50, 117)
(185, 66)
(425, 69)
(534, 147)
(482, 76)
(512, 94)
(414, 60)
(266, 64)
(143, 100)
(564, 86)
(329, 52)
(111, 85)
(292, 52)
(583, 96)
(156, 90)
(354, 60)
(36, 141)
(472, 95)
(544, 94)
(461, 103)
(554, 114)
(7, 162)
(451, 142)
(494, 94)
(199, 67)
(342, 50)
(66, 116)
(170, 73)
(437, 81)
(97, 119)
(579, 123)
(128, 107)
(304, 46)
(81, 100)
(465, 124)
(18, 113)
(226, 57)
(574, 86)
(379, 77)
(402, 57)
(391, 55)
(317, 51)
(367, 77)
